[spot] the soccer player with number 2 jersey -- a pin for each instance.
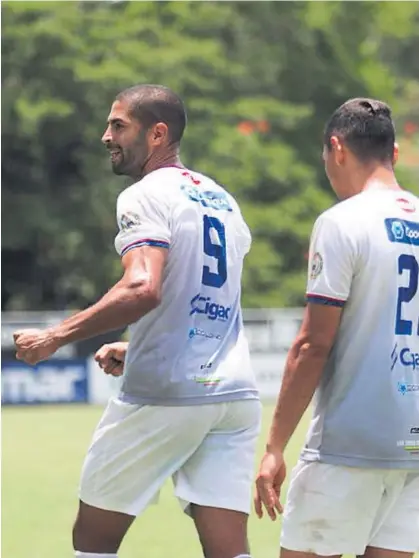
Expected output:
(355, 489)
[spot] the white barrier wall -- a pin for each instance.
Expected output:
(68, 379)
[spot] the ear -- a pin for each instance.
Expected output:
(158, 134)
(337, 149)
(395, 153)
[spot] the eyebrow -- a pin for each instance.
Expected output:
(116, 121)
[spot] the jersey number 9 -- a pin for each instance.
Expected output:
(217, 250)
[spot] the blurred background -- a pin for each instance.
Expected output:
(259, 80)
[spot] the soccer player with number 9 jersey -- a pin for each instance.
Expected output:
(189, 407)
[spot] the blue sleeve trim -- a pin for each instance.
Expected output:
(326, 300)
(145, 242)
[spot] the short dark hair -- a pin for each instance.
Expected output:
(366, 127)
(150, 104)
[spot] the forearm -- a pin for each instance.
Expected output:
(302, 375)
(120, 306)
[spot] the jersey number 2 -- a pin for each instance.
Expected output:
(407, 262)
(216, 250)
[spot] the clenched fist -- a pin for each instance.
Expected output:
(34, 345)
(111, 358)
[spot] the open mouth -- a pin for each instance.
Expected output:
(114, 154)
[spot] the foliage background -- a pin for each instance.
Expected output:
(259, 80)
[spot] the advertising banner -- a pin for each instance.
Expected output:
(53, 381)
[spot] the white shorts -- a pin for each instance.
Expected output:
(208, 450)
(333, 509)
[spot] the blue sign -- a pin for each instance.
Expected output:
(53, 381)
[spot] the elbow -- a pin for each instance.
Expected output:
(318, 349)
(152, 297)
(144, 297)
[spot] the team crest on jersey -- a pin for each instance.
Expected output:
(128, 220)
(316, 266)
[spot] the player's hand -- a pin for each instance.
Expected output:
(34, 345)
(269, 480)
(111, 358)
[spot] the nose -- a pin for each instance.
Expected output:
(107, 136)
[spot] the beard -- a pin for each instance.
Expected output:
(118, 163)
(130, 161)
(126, 164)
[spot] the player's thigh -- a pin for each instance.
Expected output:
(398, 532)
(135, 449)
(220, 473)
(330, 510)
(99, 531)
(222, 532)
(215, 484)
(373, 552)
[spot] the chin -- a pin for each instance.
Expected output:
(119, 171)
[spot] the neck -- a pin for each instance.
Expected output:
(170, 158)
(376, 178)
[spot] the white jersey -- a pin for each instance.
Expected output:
(364, 256)
(191, 349)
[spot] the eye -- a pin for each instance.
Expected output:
(117, 126)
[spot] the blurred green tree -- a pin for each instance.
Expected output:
(259, 80)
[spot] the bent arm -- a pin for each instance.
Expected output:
(137, 293)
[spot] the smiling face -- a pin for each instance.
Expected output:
(126, 141)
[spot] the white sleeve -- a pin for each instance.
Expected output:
(331, 263)
(143, 220)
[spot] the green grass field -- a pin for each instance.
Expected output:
(43, 449)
